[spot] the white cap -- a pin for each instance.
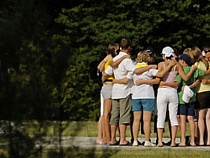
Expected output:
(168, 51)
(203, 53)
(188, 93)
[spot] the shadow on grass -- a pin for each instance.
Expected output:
(76, 152)
(20, 143)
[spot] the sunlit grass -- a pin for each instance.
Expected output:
(78, 128)
(114, 153)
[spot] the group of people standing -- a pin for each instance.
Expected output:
(129, 95)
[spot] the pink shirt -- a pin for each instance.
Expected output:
(169, 76)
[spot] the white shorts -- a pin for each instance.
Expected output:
(167, 97)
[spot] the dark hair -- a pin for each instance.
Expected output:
(150, 50)
(111, 49)
(206, 46)
(117, 50)
(176, 52)
(125, 43)
(169, 57)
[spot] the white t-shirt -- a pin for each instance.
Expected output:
(121, 90)
(144, 91)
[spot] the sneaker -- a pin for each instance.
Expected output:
(149, 144)
(135, 143)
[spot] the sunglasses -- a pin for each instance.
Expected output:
(206, 51)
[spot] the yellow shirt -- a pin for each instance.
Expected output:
(201, 87)
(105, 67)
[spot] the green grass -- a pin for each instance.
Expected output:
(88, 129)
(80, 128)
(114, 153)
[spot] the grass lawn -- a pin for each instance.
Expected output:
(33, 129)
(90, 153)
(80, 128)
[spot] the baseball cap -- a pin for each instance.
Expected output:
(150, 50)
(185, 57)
(168, 51)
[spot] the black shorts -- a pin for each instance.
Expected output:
(186, 109)
(203, 100)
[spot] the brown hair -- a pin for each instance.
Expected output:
(125, 43)
(111, 49)
(143, 56)
(195, 54)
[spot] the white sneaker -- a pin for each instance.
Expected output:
(149, 144)
(135, 143)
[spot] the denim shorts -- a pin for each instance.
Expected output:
(143, 104)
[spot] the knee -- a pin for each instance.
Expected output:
(137, 119)
(147, 119)
(106, 115)
(190, 118)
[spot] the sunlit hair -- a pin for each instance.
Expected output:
(195, 53)
(143, 56)
(125, 43)
(111, 49)
(189, 52)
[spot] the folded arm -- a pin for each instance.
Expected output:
(121, 81)
(194, 84)
(205, 81)
(144, 69)
(153, 81)
(170, 84)
(118, 61)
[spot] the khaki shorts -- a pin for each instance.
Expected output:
(121, 111)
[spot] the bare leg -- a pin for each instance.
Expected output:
(122, 134)
(179, 121)
(183, 129)
(201, 125)
(208, 125)
(100, 133)
(173, 135)
(147, 124)
(113, 134)
(131, 126)
(160, 136)
(106, 115)
(136, 124)
(196, 132)
(192, 130)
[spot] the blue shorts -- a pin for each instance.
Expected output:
(186, 109)
(143, 104)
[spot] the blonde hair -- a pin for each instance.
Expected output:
(189, 52)
(143, 56)
(196, 53)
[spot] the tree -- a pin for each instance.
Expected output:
(52, 49)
